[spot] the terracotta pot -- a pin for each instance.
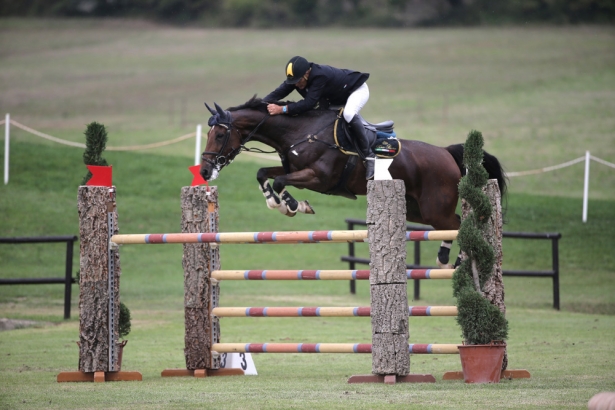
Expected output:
(482, 363)
(120, 351)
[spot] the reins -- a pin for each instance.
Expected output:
(222, 160)
(314, 137)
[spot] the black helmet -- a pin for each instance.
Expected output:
(295, 68)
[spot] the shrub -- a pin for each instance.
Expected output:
(480, 321)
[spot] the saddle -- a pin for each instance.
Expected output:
(382, 139)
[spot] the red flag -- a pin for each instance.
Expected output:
(101, 176)
(198, 179)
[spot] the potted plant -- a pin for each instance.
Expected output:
(95, 144)
(483, 326)
(124, 330)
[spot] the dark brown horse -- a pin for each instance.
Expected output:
(310, 159)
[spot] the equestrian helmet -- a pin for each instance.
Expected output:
(295, 69)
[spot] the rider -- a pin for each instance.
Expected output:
(326, 85)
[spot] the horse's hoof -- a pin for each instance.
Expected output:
(443, 265)
(306, 208)
(290, 213)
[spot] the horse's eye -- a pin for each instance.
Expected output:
(220, 135)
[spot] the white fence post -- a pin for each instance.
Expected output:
(586, 186)
(197, 149)
(7, 129)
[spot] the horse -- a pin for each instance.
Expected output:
(312, 160)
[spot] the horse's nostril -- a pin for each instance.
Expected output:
(204, 174)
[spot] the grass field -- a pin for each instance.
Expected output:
(541, 96)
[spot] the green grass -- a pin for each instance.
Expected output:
(540, 96)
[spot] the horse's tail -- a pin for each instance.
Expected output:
(490, 162)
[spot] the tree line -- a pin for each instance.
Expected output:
(325, 13)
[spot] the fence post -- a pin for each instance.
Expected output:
(68, 278)
(7, 129)
(197, 148)
(555, 256)
(586, 186)
(417, 262)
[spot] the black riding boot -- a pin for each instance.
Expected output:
(358, 132)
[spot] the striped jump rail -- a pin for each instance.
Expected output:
(364, 311)
(322, 274)
(325, 348)
(272, 237)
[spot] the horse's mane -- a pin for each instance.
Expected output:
(259, 104)
(253, 103)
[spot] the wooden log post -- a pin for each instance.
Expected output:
(386, 222)
(201, 292)
(95, 205)
(200, 214)
(99, 290)
(386, 232)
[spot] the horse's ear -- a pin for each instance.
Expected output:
(212, 111)
(222, 113)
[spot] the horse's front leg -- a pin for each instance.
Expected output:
(306, 178)
(263, 175)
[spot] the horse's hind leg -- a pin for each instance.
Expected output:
(443, 255)
(413, 214)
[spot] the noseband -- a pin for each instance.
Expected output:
(220, 159)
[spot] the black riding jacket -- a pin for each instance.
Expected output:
(326, 85)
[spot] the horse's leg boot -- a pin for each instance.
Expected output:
(358, 132)
(443, 255)
(273, 202)
(292, 206)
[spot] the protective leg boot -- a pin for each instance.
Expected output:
(358, 132)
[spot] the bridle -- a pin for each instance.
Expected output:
(222, 160)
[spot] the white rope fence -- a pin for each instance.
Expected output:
(110, 148)
(587, 157)
(559, 166)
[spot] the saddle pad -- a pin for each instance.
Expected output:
(387, 147)
(382, 147)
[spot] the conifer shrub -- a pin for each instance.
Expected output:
(479, 320)
(95, 144)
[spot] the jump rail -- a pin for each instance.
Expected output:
(272, 237)
(326, 348)
(325, 311)
(322, 274)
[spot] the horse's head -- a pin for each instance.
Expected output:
(223, 143)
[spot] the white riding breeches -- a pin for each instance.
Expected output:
(355, 102)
